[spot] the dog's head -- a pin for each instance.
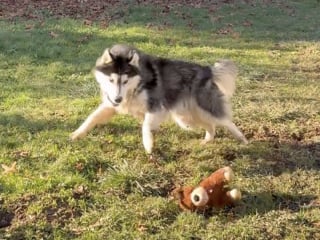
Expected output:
(117, 71)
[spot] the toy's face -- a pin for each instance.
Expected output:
(213, 191)
(199, 197)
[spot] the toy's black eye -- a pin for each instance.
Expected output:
(196, 198)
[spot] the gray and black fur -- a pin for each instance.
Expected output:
(167, 82)
(192, 94)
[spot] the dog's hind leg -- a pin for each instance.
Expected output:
(101, 115)
(234, 130)
(210, 133)
(151, 122)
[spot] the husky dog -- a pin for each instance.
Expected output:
(153, 88)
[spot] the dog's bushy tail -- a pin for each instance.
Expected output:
(224, 75)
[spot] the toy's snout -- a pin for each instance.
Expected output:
(199, 197)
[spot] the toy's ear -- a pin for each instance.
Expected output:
(235, 194)
(177, 193)
(106, 58)
(228, 174)
(199, 197)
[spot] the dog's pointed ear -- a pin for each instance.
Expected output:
(134, 58)
(106, 58)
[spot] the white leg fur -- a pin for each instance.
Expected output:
(147, 137)
(234, 130)
(101, 115)
(181, 123)
(209, 135)
(151, 122)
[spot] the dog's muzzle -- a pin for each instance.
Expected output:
(116, 101)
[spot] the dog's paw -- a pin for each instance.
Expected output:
(244, 141)
(209, 137)
(148, 147)
(205, 141)
(77, 135)
(148, 144)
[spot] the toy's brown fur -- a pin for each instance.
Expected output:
(216, 188)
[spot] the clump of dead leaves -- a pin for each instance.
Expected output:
(98, 10)
(9, 169)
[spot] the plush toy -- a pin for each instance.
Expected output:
(211, 192)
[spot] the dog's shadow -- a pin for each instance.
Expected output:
(271, 158)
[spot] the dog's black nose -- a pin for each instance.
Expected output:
(118, 99)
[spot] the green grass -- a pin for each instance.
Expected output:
(105, 186)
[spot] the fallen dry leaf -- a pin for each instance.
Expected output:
(96, 10)
(99, 173)
(104, 24)
(225, 31)
(80, 192)
(316, 224)
(21, 154)
(54, 35)
(10, 169)
(87, 22)
(79, 166)
(235, 35)
(247, 23)
(29, 27)
(142, 227)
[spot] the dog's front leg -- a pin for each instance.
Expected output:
(151, 122)
(101, 115)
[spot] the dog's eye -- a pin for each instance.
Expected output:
(111, 80)
(126, 71)
(125, 82)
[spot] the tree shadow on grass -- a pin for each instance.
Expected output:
(5, 218)
(264, 202)
(69, 47)
(31, 231)
(21, 225)
(56, 66)
(274, 158)
(120, 127)
(32, 126)
(45, 43)
(267, 201)
(271, 158)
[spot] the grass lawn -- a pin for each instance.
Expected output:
(105, 186)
